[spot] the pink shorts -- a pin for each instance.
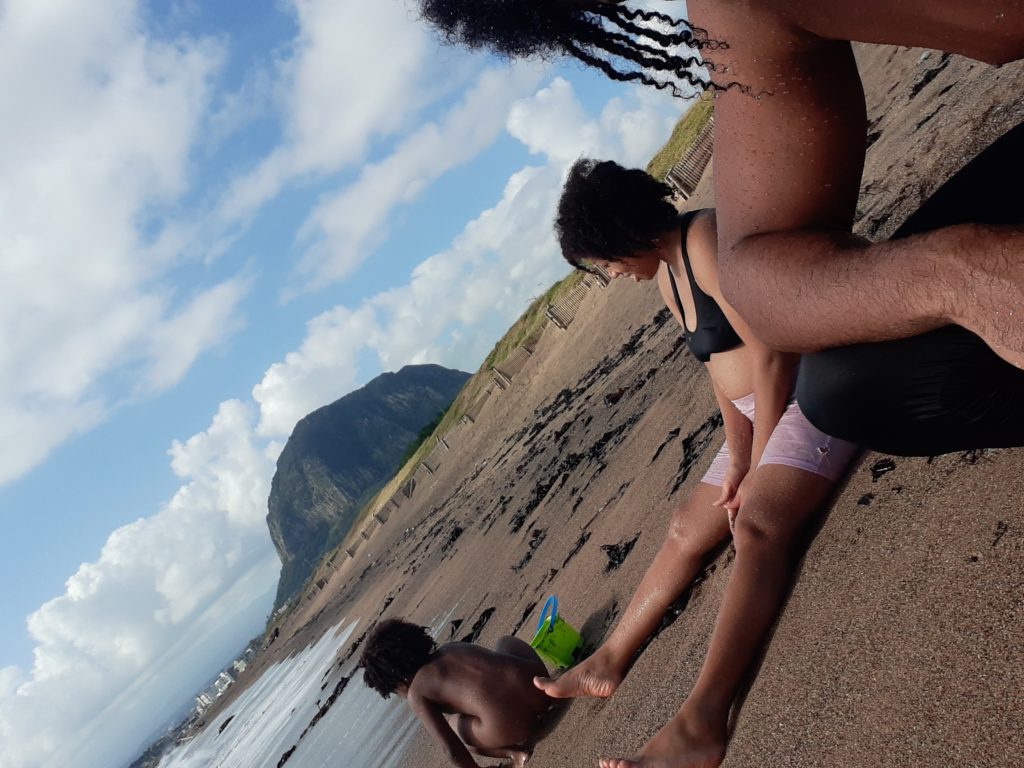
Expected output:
(794, 443)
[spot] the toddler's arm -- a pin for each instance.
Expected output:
(432, 717)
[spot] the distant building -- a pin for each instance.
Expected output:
(239, 666)
(223, 682)
(203, 701)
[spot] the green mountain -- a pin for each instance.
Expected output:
(338, 456)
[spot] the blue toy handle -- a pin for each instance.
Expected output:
(550, 608)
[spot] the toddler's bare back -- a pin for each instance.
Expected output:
(472, 680)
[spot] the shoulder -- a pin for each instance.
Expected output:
(702, 249)
(427, 680)
(702, 233)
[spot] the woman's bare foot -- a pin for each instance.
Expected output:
(681, 743)
(591, 677)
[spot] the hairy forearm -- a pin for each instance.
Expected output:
(806, 291)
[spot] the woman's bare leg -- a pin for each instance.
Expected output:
(695, 529)
(781, 501)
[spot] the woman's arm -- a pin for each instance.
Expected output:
(739, 434)
(773, 372)
(789, 153)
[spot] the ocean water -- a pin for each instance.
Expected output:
(361, 730)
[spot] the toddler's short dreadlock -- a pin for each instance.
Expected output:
(394, 653)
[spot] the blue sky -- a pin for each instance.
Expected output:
(215, 218)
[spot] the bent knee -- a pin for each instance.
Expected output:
(684, 541)
(833, 395)
(754, 531)
(465, 726)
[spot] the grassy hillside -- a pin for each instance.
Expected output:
(683, 136)
(529, 324)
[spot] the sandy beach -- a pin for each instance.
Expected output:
(902, 641)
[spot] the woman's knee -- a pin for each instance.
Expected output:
(756, 530)
(838, 392)
(685, 539)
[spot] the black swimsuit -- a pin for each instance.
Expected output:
(714, 332)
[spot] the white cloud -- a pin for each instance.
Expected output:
(206, 320)
(202, 570)
(458, 302)
(554, 124)
(347, 227)
(31, 427)
(320, 371)
(357, 72)
(100, 121)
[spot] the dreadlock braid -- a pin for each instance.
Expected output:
(614, 74)
(622, 42)
(626, 20)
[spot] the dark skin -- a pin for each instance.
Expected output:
(495, 709)
(767, 508)
(789, 153)
(788, 160)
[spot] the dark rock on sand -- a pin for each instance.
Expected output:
(617, 553)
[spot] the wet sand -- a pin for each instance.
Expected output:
(902, 642)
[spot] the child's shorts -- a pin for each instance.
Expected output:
(794, 443)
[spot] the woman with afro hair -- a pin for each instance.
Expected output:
(790, 129)
(773, 472)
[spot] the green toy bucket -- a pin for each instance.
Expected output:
(555, 641)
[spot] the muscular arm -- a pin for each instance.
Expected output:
(788, 158)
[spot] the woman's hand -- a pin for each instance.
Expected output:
(731, 486)
(735, 503)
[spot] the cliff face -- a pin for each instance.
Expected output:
(339, 455)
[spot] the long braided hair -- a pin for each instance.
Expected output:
(627, 44)
(393, 654)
